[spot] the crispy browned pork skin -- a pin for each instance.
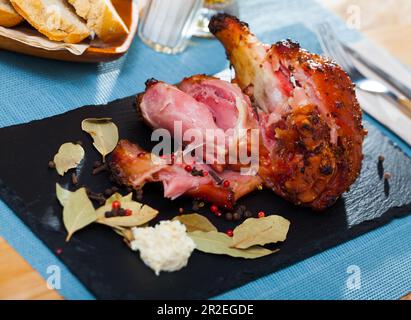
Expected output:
(135, 167)
(309, 121)
(309, 115)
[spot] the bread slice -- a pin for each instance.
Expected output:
(102, 18)
(8, 16)
(53, 18)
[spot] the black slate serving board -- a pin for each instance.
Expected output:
(109, 269)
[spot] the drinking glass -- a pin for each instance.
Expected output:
(167, 25)
(210, 8)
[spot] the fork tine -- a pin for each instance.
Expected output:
(335, 50)
(340, 54)
(332, 46)
(325, 42)
(321, 37)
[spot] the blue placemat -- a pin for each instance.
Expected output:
(33, 88)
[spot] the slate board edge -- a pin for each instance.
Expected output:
(125, 99)
(15, 203)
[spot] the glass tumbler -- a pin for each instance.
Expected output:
(210, 8)
(167, 25)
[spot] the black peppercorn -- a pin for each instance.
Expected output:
(195, 206)
(236, 216)
(108, 214)
(241, 209)
(229, 216)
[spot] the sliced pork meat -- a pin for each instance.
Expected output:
(162, 105)
(229, 106)
(216, 109)
(309, 115)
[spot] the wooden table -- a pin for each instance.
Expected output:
(386, 22)
(18, 280)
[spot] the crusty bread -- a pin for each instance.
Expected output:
(53, 18)
(8, 16)
(102, 18)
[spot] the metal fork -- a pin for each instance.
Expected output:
(333, 48)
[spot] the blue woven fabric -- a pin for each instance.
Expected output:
(33, 88)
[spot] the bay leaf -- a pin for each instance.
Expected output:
(126, 233)
(68, 157)
(118, 197)
(141, 215)
(260, 231)
(104, 133)
(62, 194)
(219, 243)
(196, 222)
(78, 212)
